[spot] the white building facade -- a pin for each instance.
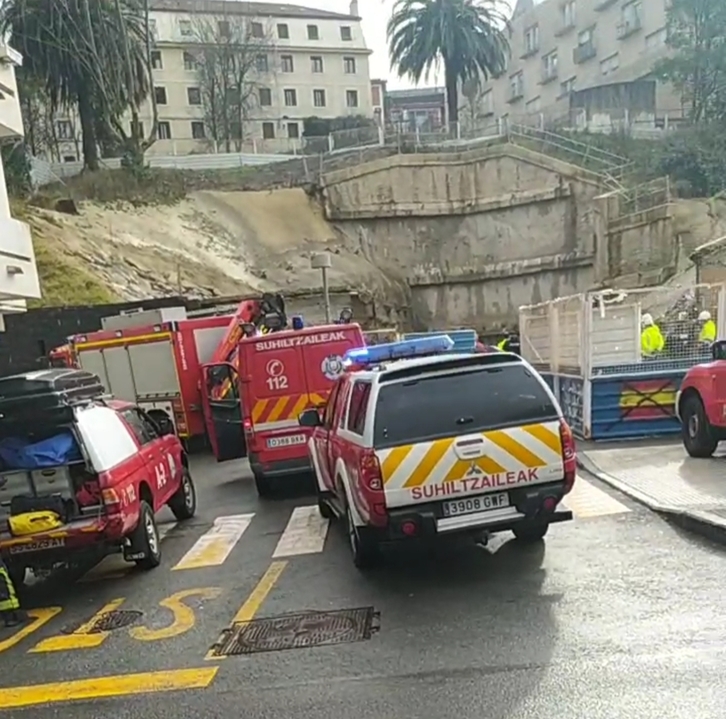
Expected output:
(304, 62)
(18, 272)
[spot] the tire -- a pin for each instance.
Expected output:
(325, 510)
(531, 532)
(145, 538)
(365, 549)
(698, 436)
(184, 502)
(263, 485)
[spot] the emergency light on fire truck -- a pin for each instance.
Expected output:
(407, 349)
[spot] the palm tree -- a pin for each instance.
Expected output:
(469, 37)
(89, 54)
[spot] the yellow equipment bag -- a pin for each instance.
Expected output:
(22, 525)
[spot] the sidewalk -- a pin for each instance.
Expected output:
(690, 492)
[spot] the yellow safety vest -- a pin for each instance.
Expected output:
(708, 332)
(502, 344)
(651, 340)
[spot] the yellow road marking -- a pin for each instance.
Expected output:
(80, 638)
(104, 687)
(246, 613)
(40, 617)
(215, 545)
(184, 618)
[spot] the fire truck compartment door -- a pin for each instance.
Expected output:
(154, 369)
(223, 414)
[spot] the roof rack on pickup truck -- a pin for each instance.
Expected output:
(51, 391)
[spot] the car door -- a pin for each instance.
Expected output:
(170, 456)
(157, 472)
(334, 447)
(321, 436)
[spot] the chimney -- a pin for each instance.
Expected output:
(354, 8)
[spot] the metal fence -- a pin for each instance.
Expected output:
(644, 196)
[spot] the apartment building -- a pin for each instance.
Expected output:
(18, 271)
(559, 47)
(302, 62)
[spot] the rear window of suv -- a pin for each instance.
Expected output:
(446, 405)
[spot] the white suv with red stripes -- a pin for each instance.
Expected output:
(443, 445)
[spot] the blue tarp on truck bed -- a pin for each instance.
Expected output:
(16, 453)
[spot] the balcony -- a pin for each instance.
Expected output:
(629, 27)
(583, 53)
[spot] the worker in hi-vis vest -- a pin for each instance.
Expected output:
(651, 338)
(10, 612)
(707, 335)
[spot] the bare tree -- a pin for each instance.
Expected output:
(233, 57)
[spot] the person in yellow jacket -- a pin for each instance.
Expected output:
(10, 611)
(708, 328)
(651, 338)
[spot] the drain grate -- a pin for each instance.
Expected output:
(298, 631)
(107, 622)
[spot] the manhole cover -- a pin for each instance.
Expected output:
(107, 622)
(298, 631)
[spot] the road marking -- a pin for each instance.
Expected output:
(213, 547)
(104, 687)
(586, 501)
(183, 616)
(246, 613)
(81, 638)
(115, 566)
(305, 533)
(40, 617)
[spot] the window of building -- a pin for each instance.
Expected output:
(549, 66)
(190, 62)
(516, 85)
(261, 63)
(349, 65)
(223, 28)
(531, 39)
(160, 95)
(533, 106)
(656, 39)
(185, 28)
(153, 31)
(235, 130)
(64, 129)
(585, 37)
(630, 18)
(268, 130)
(346, 33)
(156, 63)
(610, 64)
(316, 63)
(319, 98)
(232, 96)
(198, 130)
(569, 16)
(313, 33)
(568, 86)
(283, 31)
(487, 102)
(376, 95)
(194, 96)
(290, 98)
(69, 158)
(265, 95)
(163, 130)
(293, 130)
(351, 98)
(141, 129)
(286, 63)
(257, 29)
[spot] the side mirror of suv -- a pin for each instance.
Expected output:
(718, 350)
(165, 425)
(310, 418)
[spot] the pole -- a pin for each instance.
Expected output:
(326, 295)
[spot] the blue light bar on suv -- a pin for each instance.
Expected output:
(407, 349)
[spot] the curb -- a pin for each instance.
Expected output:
(701, 522)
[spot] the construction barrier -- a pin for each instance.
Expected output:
(588, 348)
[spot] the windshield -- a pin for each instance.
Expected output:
(446, 405)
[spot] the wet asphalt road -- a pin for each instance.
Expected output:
(614, 616)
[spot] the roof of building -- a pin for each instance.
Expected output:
(238, 7)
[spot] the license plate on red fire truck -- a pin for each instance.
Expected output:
(289, 441)
(481, 503)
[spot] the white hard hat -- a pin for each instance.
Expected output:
(705, 316)
(647, 319)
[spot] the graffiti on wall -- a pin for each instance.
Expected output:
(648, 399)
(571, 401)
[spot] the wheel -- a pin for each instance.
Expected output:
(698, 435)
(263, 485)
(145, 538)
(325, 510)
(366, 552)
(184, 502)
(531, 532)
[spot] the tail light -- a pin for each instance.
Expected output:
(180, 418)
(111, 500)
(370, 471)
(569, 455)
